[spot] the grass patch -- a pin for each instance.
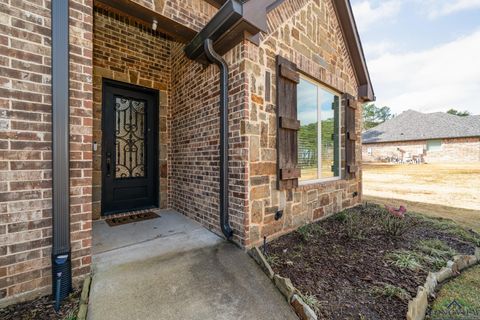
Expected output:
(404, 259)
(463, 289)
(450, 227)
(391, 291)
(436, 248)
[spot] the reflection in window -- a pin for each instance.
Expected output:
(319, 135)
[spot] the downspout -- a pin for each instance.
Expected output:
(235, 21)
(61, 251)
(214, 57)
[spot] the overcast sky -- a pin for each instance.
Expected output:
(422, 54)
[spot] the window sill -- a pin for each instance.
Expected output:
(317, 181)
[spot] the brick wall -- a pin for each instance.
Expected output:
(452, 150)
(194, 154)
(129, 52)
(306, 32)
(25, 145)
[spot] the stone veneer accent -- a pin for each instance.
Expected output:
(128, 52)
(306, 32)
(26, 142)
(453, 150)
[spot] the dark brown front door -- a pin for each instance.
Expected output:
(129, 149)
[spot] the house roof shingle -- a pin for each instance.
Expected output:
(413, 125)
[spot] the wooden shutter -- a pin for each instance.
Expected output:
(350, 105)
(287, 125)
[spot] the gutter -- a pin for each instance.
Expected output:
(61, 251)
(233, 23)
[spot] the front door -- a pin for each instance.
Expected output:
(129, 149)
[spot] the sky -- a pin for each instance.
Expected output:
(422, 54)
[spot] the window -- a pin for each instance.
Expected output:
(369, 151)
(318, 110)
(434, 145)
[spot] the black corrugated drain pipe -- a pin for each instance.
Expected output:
(214, 57)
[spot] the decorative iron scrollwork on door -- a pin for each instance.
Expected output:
(130, 116)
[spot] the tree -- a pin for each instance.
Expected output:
(459, 113)
(373, 115)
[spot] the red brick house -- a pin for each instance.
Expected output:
(413, 136)
(241, 115)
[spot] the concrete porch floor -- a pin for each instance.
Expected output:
(173, 268)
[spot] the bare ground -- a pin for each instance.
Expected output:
(443, 190)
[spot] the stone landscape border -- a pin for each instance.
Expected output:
(285, 286)
(83, 308)
(417, 307)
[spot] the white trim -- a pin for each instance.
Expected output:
(316, 181)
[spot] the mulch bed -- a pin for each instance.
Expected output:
(343, 271)
(42, 309)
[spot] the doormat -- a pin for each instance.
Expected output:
(112, 222)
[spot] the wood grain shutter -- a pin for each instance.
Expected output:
(287, 125)
(350, 105)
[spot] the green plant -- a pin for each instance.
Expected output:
(341, 216)
(394, 226)
(391, 291)
(310, 231)
(71, 316)
(436, 248)
(311, 301)
(404, 259)
(273, 260)
(354, 228)
(450, 227)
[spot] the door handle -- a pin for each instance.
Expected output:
(109, 160)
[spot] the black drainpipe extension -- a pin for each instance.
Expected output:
(61, 255)
(214, 57)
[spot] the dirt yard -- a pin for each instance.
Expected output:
(444, 190)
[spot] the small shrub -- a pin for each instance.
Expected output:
(354, 228)
(391, 291)
(404, 259)
(310, 231)
(341, 216)
(394, 226)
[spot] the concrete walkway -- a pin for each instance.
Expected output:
(176, 269)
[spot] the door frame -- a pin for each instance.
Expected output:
(155, 94)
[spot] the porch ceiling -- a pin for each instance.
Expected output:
(146, 16)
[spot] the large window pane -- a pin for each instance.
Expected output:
(319, 135)
(307, 111)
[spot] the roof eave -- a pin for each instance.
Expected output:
(355, 49)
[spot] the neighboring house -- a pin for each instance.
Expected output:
(128, 118)
(424, 137)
